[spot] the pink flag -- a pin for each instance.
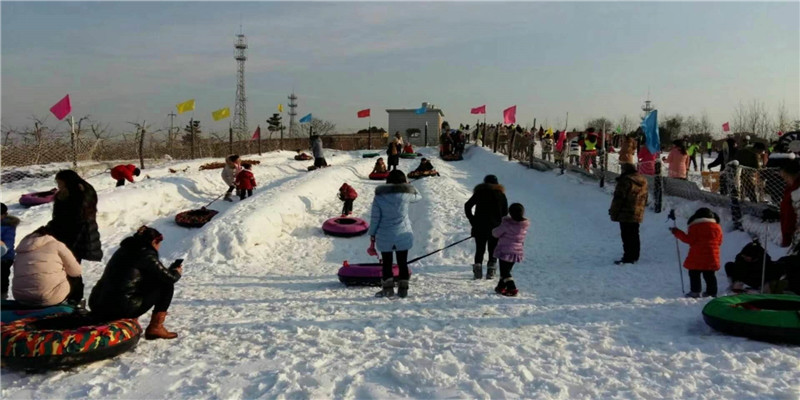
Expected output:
(726, 127)
(562, 136)
(510, 115)
(62, 108)
(478, 110)
(257, 134)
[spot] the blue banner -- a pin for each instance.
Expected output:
(305, 119)
(650, 128)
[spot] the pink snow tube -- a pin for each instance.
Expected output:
(34, 199)
(364, 274)
(345, 226)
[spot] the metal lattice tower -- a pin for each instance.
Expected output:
(240, 111)
(292, 114)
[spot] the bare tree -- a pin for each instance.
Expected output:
(600, 123)
(322, 127)
(752, 118)
(627, 125)
(705, 124)
(782, 121)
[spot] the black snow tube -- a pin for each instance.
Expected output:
(766, 317)
(195, 218)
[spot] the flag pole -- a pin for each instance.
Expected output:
(258, 127)
(230, 137)
(74, 143)
(369, 131)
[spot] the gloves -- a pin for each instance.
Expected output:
(371, 250)
(673, 230)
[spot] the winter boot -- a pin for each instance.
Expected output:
(402, 288)
(477, 271)
(491, 268)
(228, 197)
(500, 287)
(387, 288)
(156, 329)
(509, 287)
(693, 295)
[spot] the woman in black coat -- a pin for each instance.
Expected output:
(491, 205)
(134, 281)
(394, 150)
(74, 213)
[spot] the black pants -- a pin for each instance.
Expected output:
(348, 207)
(75, 289)
(158, 298)
(630, 241)
(244, 193)
(711, 281)
(120, 182)
(505, 269)
(320, 162)
(480, 248)
(693, 160)
(6, 277)
(230, 189)
(750, 273)
(402, 263)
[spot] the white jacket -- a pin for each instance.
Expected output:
(41, 269)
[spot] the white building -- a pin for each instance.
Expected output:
(403, 119)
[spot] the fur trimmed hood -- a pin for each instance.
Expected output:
(489, 187)
(399, 188)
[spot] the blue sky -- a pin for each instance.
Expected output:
(132, 61)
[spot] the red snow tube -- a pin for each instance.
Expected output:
(377, 176)
(195, 218)
(452, 157)
(34, 199)
(303, 157)
(364, 274)
(345, 226)
(422, 174)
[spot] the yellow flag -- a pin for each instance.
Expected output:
(222, 113)
(549, 131)
(280, 107)
(185, 106)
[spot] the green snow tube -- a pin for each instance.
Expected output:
(408, 155)
(767, 317)
(370, 155)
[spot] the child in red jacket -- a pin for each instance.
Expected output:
(704, 239)
(245, 182)
(347, 194)
(121, 173)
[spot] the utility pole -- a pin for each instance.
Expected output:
(171, 116)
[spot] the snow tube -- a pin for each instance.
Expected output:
(13, 310)
(377, 176)
(345, 226)
(364, 274)
(195, 218)
(303, 157)
(34, 199)
(422, 174)
(370, 155)
(452, 157)
(62, 341)
(767, 317)
(408, 155)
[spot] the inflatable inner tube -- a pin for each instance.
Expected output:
(369, 274)
(195, 218)
(767, 317)
(13, 310)
(345, 226)
(370, 155)
(34, 199)
(790, 141)
(63, 341)
(422, 174)
(378, 176)
(452, 157)
(303, 157)
(408, 155)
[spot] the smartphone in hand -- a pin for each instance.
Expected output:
(177, 263)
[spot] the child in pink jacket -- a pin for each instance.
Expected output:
(510, 247)
(678, 160)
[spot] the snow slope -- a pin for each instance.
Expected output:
(261, 313)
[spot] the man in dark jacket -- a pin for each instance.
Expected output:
(627, 208)
(134, 281)
(491, 205)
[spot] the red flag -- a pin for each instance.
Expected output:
(510, 115)
(726, 127)
(363, 113)
(257, 133)
(478, 110)
(62, 108)
(780, 133)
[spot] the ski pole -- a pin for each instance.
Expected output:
(436, 251)
(212, 201)
(767, 216)
(98, 174)
(677, 247)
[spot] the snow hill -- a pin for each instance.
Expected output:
(261, 313)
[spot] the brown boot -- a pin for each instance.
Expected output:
(156, 328)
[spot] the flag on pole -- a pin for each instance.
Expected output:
(650, 128)
(305, 119)
(185, 106)
(222, 113)
(280, 107)
(363, 113)
(619, 129)
(62, 108)
(510, 115)
(562, 137)
(726, 127)
(549, 131)
(478, 110)
(421, 110)
(780, 133)
(257, 134)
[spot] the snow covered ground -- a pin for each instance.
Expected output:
(261, 312)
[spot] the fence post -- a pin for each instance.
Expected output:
(230, 138)
(510, 145)
(74, 143)
(483, 136)
(494, 145)
(733, 183)
(141, 146)
(658, 190)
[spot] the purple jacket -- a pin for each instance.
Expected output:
(511, 235)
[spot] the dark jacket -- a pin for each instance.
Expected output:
(74, 223)
(748, 157)
(133, 271)
(630, 196)
(490, 205)
(8, 228)
(725, 156)
(396, 148)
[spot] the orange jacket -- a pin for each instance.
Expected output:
(704, 239)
